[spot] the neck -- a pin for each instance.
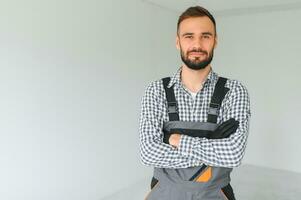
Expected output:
(193, 79)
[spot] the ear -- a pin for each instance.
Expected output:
(177, 42)
(215, 41)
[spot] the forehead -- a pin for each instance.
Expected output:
(196, 25)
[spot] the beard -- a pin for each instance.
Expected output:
(196, 63)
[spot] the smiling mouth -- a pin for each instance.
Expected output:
(197, 54)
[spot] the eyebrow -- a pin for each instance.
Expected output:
(204, 33)
(184, 34)
(207, 33)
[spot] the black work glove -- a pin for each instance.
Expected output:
(224, 130)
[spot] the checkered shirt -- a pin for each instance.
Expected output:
(193, 151)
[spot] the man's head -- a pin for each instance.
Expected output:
(196, 37)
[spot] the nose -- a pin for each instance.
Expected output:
(197, 44)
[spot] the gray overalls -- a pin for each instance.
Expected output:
(194, 183)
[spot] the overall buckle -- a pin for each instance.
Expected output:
(213, 109)
(172, 107)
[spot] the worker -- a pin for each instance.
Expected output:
(194, 125)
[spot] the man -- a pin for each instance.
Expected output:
(194, 126)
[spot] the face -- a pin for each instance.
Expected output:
(196, 40)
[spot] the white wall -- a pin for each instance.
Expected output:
(263, 51)
(72, 74)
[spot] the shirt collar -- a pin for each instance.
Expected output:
(176, 79)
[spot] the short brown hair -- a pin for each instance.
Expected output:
(196, 11)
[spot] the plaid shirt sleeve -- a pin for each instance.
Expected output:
(153, 152)
(226, 152)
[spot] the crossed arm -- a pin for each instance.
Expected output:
(185, 151)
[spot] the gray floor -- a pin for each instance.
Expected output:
(249, 183)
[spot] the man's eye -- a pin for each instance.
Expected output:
(188, 36)
(206, 36)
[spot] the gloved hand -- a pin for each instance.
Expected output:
(224, 130)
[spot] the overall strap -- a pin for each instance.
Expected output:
(216, 100)
(172, 105)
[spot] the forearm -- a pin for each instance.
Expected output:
(154, 152)
(226, 152)
(159, 155)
